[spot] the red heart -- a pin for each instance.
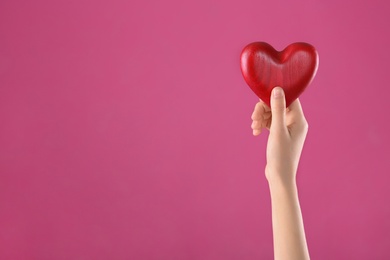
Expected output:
(292, 69)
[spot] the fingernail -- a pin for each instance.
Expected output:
(278, 92)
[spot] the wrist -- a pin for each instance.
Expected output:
(283, 190)
(281, 180)
(280, 174)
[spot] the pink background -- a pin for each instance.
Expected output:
(125, 129)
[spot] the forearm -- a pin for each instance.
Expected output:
(288, 230)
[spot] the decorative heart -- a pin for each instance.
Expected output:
(292, 69)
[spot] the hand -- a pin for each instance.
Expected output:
(288, 128)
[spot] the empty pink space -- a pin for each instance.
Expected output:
(125, 129)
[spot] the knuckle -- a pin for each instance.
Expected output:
(304, 126)
(305, 123)
(255, 124)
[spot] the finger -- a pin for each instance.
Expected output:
(266, 107)
(257, 124)
(256, 132)
(268, 124)
(258, 111)
(265, 123)
(278, 107)
(267, 115)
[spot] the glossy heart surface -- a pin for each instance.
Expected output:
(293, 69)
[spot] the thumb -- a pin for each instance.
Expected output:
(278, 109)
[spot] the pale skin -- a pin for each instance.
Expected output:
(288, 128)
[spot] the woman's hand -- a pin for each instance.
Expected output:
(288, 129)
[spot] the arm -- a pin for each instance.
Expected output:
(288, 129)
(287, 223)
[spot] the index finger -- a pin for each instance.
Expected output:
(260, 109)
